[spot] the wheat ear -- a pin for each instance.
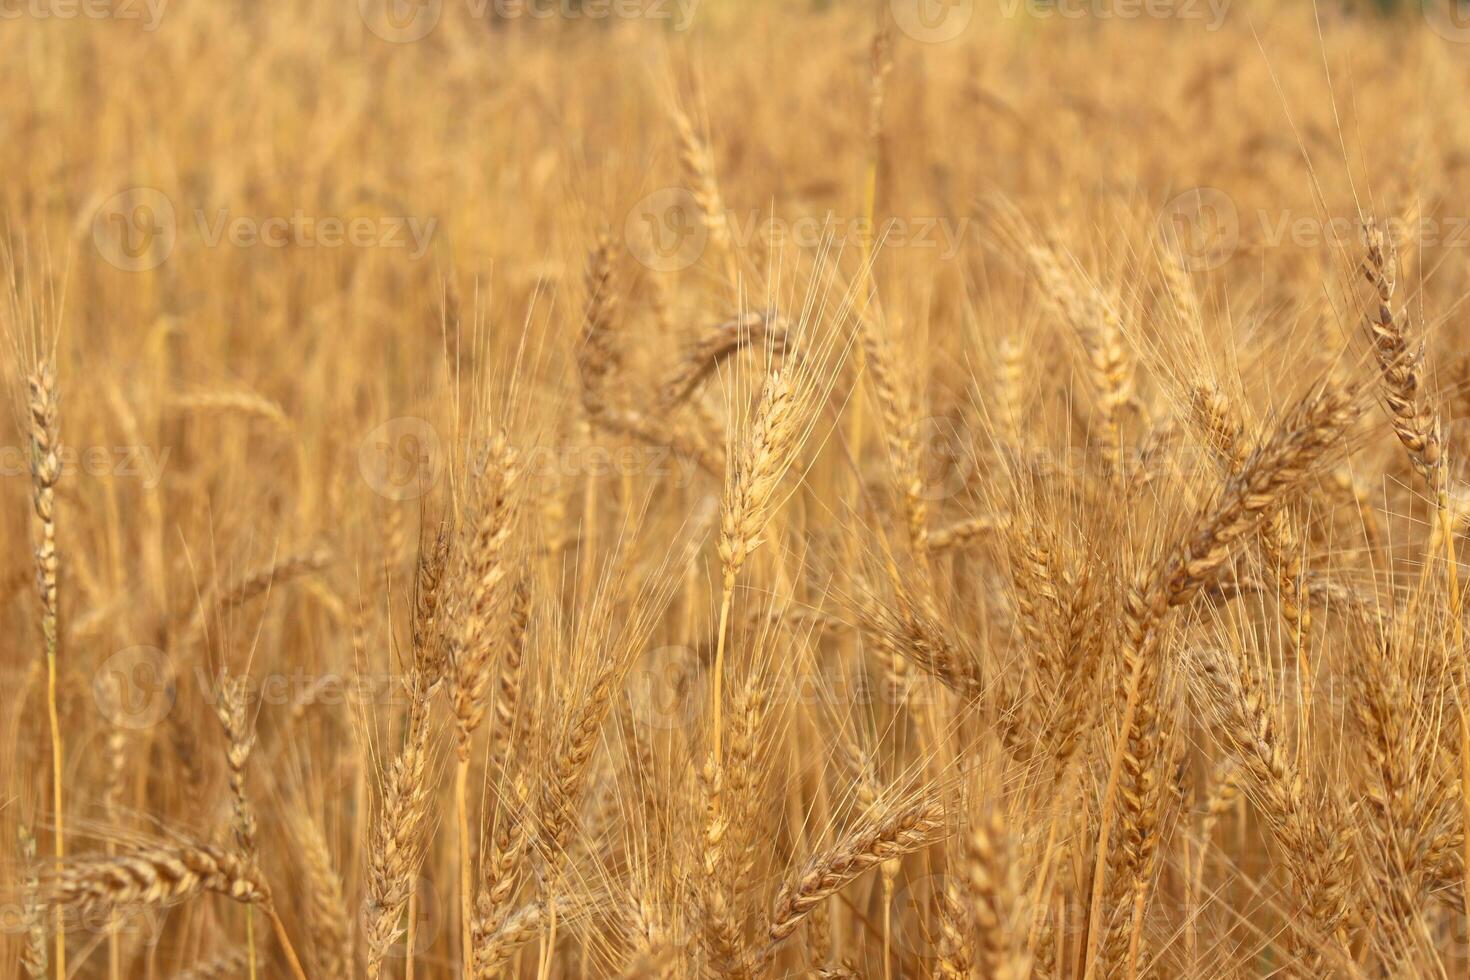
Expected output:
(757, 330)
(896, 411)
(326, 906)
(157, 875)
(993, 889)
(1418, 428)
(699, 173)
(509, 712)
(400, 831)
(1317, 846)
(488, 573)
(903, 830)
(1278, 535)
(500, 874)
(33, 913)
(750, 494)
(240, 734)
(45, 473)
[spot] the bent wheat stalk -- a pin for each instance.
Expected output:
(1418, 427)
(1285, 460)
(166, 874)
(903, 831)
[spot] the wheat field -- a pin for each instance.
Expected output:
(662, 488)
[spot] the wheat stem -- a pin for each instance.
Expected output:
(461, 809)
(284, 939)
